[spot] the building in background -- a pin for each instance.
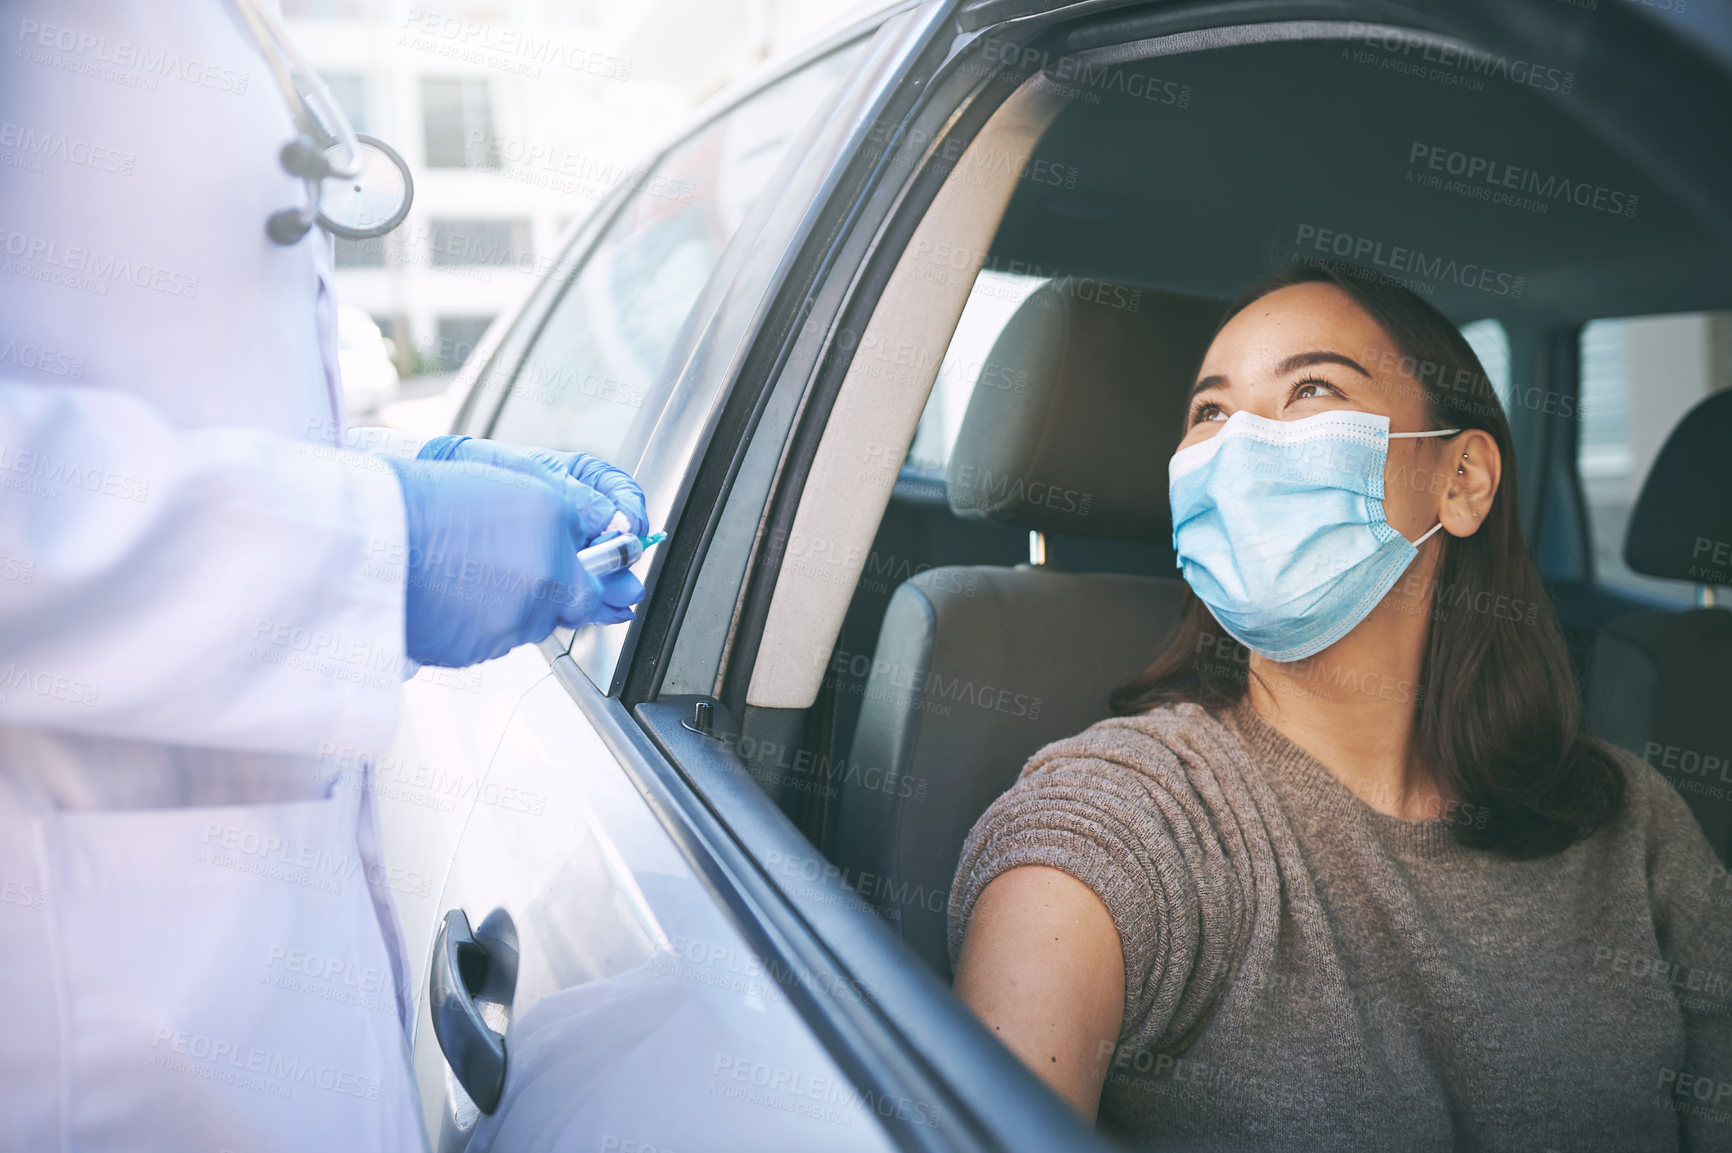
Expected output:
(516, 119)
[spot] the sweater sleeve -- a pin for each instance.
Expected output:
(1114, 807)
(1691, 893)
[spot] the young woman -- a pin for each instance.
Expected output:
(1343, 873)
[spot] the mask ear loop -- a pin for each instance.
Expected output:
(1433, 432)
(1428, 534)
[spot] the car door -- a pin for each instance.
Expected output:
(588, 962)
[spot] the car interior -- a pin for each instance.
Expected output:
(1020, 567)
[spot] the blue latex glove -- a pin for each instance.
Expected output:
(614, 483)
(493, 561)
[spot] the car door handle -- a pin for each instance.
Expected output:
(467, 967)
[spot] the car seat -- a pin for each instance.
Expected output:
(1080, 403)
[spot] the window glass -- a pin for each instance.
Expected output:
(583, 382)
(1490, 343)
(455, 338)
(991, 303)
(349, 90)
(456, 242)
(1638, 378)
(455, 111)
(368, 253)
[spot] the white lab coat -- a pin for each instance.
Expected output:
(198, 604)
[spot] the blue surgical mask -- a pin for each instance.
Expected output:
(1278, 526)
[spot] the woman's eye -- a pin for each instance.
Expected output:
(1313, 389)
(1207, 411)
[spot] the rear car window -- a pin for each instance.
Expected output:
(1639, 376)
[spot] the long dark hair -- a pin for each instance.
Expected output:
(1497, 708)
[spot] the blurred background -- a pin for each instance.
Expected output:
(517, 118)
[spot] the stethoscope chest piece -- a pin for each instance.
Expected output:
(358, 187)
(367, 204)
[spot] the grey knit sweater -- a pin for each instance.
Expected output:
(1303, 972)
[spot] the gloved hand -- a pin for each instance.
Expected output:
(493, 561)
(614, 483)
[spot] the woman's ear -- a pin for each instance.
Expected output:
(1472, 483)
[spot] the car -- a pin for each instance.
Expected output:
(364, 361)
(895, 338)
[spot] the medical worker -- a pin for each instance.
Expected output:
(200, 586)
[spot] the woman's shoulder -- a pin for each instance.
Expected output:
(1164, 783)
(1166, 744)
(1127, 807)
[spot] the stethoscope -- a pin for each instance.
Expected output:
(357, 186)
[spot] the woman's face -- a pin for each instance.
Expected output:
(1310, 348)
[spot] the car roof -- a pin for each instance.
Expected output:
(1279, 144)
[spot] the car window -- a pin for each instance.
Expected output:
(1490, 342)
(583, 383)
(991, 303)
(1639, 376)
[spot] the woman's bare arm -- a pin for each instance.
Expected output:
(1041, 965)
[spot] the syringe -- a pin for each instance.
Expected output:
(616, 553)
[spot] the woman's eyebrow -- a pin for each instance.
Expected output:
(1207, 383)
(1319, 356)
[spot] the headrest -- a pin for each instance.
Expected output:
(1681, 527)
(1079, 404)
